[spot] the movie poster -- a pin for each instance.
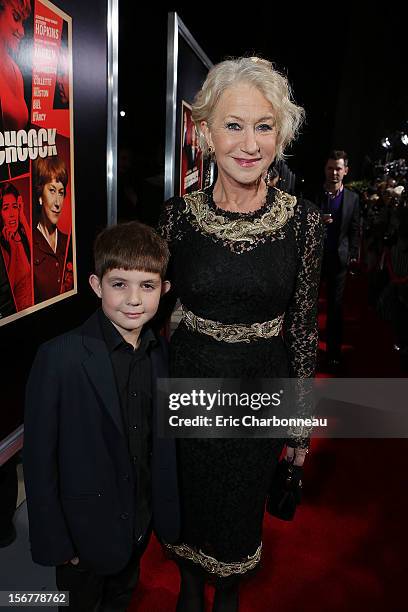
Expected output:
(191, 157)
(37, 228)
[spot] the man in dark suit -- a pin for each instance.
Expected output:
(341, 215)
(97, 476)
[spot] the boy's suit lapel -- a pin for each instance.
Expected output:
(99, 369)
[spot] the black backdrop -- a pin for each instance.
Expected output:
(19, 340)
(347, 69)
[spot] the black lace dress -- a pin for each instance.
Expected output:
(238, 268)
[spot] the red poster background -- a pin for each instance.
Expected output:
(191, 157)
(38, 51)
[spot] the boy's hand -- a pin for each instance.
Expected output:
(73, 561)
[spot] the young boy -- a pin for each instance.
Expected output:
(96, 474)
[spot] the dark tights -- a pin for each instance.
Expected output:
(226, 597)
(191, 597)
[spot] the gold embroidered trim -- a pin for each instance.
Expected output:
(211, 565)
(236, 230)
(232, 333)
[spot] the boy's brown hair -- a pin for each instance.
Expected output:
(130, 246)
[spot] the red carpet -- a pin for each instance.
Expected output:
(347, 549)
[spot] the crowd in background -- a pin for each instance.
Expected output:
(384, 246)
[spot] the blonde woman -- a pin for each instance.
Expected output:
(243, 253)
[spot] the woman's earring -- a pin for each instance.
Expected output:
(40, 201)
(209, 173)
(271, 176)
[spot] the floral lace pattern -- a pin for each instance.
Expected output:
(237, 232)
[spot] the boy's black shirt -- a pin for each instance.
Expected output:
(132, 370)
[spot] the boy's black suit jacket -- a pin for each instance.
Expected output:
(77, 467)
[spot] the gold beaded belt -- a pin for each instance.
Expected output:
(212, 565)
(232, 333)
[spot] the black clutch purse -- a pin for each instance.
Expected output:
(285, 491)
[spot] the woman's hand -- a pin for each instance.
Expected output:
(7, 235)
(23, 220)
(296, 455)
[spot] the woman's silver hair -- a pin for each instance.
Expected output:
(261, 74)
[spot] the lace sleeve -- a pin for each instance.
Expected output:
(169, 226)
(301, 330)
(301, 334)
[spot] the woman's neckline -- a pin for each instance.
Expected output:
(269, 199)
